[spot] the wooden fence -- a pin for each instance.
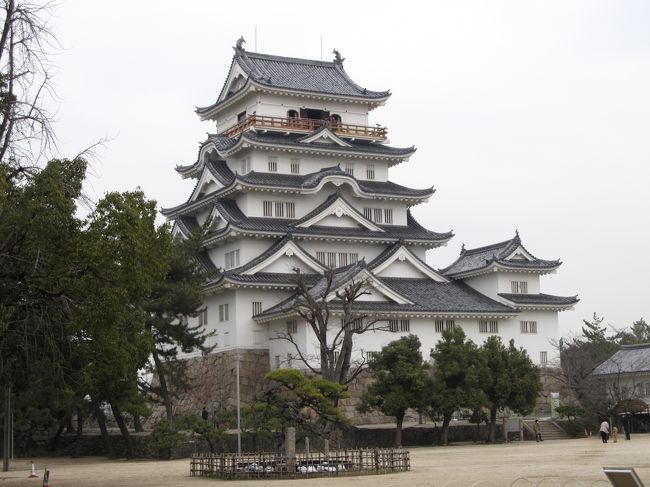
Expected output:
(271, 465)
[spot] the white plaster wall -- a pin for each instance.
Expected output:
(286, 265)
(279, 105)
(487, 284)
(249, 333)
(374, 340)
(249, 248)
(505, 278)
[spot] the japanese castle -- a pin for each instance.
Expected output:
(296, 178)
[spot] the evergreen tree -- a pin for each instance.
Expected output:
(400, 381)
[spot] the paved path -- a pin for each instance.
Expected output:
(462, 465)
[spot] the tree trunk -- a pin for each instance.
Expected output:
(101, 421)
(128, 441)
(444, 434)
(493, 426)
(6, 430)
(164, 391)
(55, 441)
(80, 423)
(398, 430)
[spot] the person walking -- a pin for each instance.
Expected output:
(538, 431)
(615, 434)
(604, 430)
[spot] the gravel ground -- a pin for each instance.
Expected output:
(546, 464)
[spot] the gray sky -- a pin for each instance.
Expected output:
(527, 115)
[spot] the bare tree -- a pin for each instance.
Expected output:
(25, 84)
(331, 309)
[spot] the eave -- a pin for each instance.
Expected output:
(496, 267)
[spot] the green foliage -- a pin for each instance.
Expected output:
(165, 437)
(400, 380)
(639, 333)
(571, 412)
(455, 377)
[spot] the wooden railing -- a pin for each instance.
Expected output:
(306, 125)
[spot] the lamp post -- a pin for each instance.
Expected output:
(238, 404)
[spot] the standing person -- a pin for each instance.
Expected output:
(604, 430)
(538, 431)
(628, 425)
(204, 414)
(615, 434)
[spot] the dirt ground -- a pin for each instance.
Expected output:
(546, 464)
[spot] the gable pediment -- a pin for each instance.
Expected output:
(207, 184)
(324, 136)
(378, 291)
(520, 254)
(403, 263)
(339, 213)
(285, 259)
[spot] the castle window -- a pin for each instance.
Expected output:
(268, 208)
(295, 166)
(543, 358)
(232, 259)
(485, 326)
(356, 325)
(241, 116)
(291, 210)
(245, 165)
(370, 171)
(367, 212)
(519, 287)
(292, 327)
(280, 209)
(528, 326)
(441, 325)
(331, 259)
(399, 325)
(349, 168)
(292, 114)
(223, 312)
(257, 307)
(388, 215)
(273, 164)
(376, 215)
(336, 120)
(343, 259)
(371, 356)
(354, 258)
(277, 362)
(203, 317)
(320, 257)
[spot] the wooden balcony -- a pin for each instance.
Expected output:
(307, 125)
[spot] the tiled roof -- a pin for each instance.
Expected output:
(475, 260)
(224, 143)
(426, 295)
(412, 231)
(540, 299)
(629, 359)
(303, 75)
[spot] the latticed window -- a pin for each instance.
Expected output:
(543, 358)
(367, 212)
(320, 257)
(441, 325)
(291, 209)
(356, 325)
(371, 356)
(268, 208)
(354, 257)
(331, 259)
(245, 165)
(273, 164)
(377, 215)
(349, 168)
(203, 317)
(370, 171)
(232, 259)
(279, 209)
(292, 327)
(343, 259)
(399, 325)
(519, 287)
(295, 166)
(488, 326)
(528, 326)
(388, 215)
(223, 312)
(257, 307)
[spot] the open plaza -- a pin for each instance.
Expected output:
(575, 463)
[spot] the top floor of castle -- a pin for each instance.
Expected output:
(279, 94)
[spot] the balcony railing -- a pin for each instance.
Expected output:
(306, 125)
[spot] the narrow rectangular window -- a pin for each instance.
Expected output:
(543, 358)
(343, 259)
(519, 287)
(388, 215)
(232, 259)
(257, 307)
(377, 215)
(356, 325)
(367, 212)
(523, 326)
(292, 327)
(273, 164)
(393, 325)
(320, 257)
(494, 326)
(449, 324)
(277, 361)
(440, 325)
(371, 356)
(349, 168)
(295, 166)
(291, 210)
(354, 258)
(528, 326)
(370, 171)
(279, 209)
(245, 165)
(482, 326)
(404, 325)
(289, 360)
(533, 326)
(268, 208)
(331, 259)
(223, 312)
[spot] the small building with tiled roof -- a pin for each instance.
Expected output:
(626, 378)
(295, 178)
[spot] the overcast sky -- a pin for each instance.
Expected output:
(527, 115)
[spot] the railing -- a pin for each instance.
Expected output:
(307, 125)
(270, 465)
